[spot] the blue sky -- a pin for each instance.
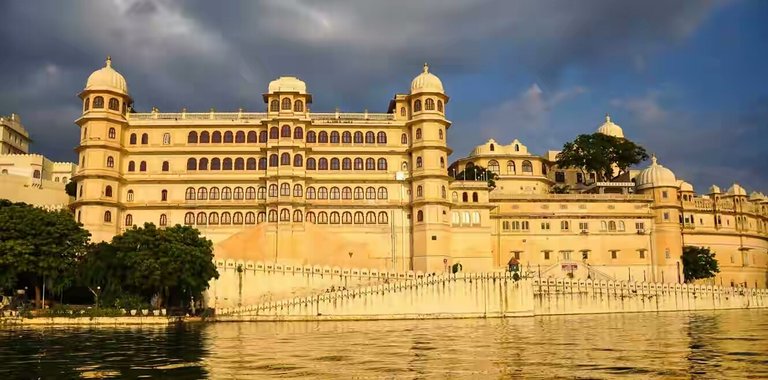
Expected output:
(686, 79)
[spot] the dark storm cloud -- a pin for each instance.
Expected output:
(202, 54)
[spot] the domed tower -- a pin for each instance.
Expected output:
(610, 128)
(429, 175)
(98, 199)
(666, 232)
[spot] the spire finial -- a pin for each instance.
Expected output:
(607, 118)
(653, 159)
(426, 68)
(109, 61)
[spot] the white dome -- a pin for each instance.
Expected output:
(684, 186)
(610, 128)
(426, 82)
(714, 189)
(735, 189)
(655, 176)
(288, 84)
(107, 78)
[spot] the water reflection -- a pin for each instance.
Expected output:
(726, 344)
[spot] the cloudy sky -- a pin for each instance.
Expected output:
(686, 79)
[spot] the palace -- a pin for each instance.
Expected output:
(375, 190)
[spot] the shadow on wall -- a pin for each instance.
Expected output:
(311, 245)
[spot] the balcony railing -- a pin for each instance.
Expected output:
(233, 116)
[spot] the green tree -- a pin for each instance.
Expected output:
(174, 263)
(597, 153)
(71, 188)
(38, 245)
(698, 262)
(477, 173)
(560, 189)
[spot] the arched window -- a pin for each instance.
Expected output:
(263, 136)
(419, 191)
(517, 148)
(274, 106)
(464, 197)
(322, 217)
(286, 104)
(346, 163)
(611, 226)
(381, 138)
(370, 217)
(335, 193)
(132, 166)
(226, 193)
(322, 164)
(273, 160)
(359, 194)
(420, 216)
(251, 138)
(144, 139)
(239, 163)
(189, 194)
(285, 159)
(418, 133)
(98, 102)
(202, 193)
(202, 164)
(297, 216)
(202, 218)
(622, 227)
(439, 105)
(442, 192)
(164, 195)
(274, 133)
(285, 189)
(493, 166)
(311, 164)
(359, 217)
(132, 139)
(114, 105)
(205, 137)
(370, 164)
(226, 218)
(358, 137)
(215, 163)
(107, 214)
(262, 163)
(166, 139)
(334, 163)
(163, 220)
(108, 191)
(297, 191)
(442, 162)
(346, 193)
(311, 217)
(311, 193)
(250, 164)
(429, 104)
(110, 162)
(298, 106)
(334, 137)
(383, 193)
(213, 218)
(311, 137)
(358, 163)
(298, 133)
(404, 139)
(191, 164)
(298, 161)
(226, 164)
(285, 131)
(87, 104)
(346, 217)
(322, 193)
(240, 137)
(322, 137)
(510, 167)
(370, 193)
(527, 167)
(419, 162)
(285, 215)
(191, 138)
(475, 197)
(250, 217)
(402, 111)
(262, 193)
(346, 137)
(440, 133)
(383, 217)
(143, 166)
(417, 105)
(216, 137)
(382, 164)
(189, 218)
(112, 133)
(238, 194)
(273, 190)
(370, 138)
(129, 195)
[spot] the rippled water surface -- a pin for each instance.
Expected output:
(724, 344)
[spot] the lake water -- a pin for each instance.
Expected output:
(722, 344)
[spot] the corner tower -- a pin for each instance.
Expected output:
(666, 233)
(99, 176)
(429, 181)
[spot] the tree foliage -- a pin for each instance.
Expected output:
(36, 244)
(71, 188)
(477, 173)
(598, 153)
(698, 262)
